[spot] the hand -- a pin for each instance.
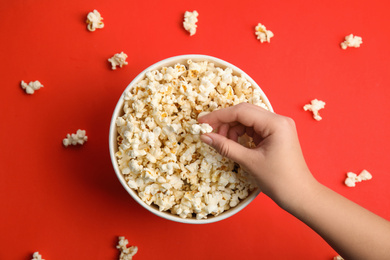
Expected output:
(276, 162)
(278, 165)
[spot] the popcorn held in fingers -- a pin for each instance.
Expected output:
(352, 178)
(37, 256)
(94, 21)
(127, 253)
(118, 59)
(160, 154)
(201, 129)
(190, 20)
(263, 35)
(315, 106)
(31, 87)
(74, 139)
(351, 41)
(338, 258)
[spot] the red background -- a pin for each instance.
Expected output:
(67, 203)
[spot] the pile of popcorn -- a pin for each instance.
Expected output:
(159, 150)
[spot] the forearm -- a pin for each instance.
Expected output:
(354, 232)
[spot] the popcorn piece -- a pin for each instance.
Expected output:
(263, 35)
(73, 139)
(94, 21)
(352, 178)
(118, 59)
(351, 41)
(31, 87)
(201, 129)
(338, 258)
(159, 151)
(127, 253)
(315, 106)
(37, 256)
(190, 19)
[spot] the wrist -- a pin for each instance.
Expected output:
(295, 195)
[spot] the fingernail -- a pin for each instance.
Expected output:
(206, 139)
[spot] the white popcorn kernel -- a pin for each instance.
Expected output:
(234, 200)
(150, 175)
(135, 167)
(169, 167)
(126, 171)
(338, 258)
(73, 139)
(37, 256)
(127, 253)
(119, 59)
(200, 129)
(175, 181)
(263, 35)
(132, 184)
(353, 178)
(351, 41)
(315, 106)
(120, 121)
(365, 175)
(31, 87)
(94, 21)
(190, 20)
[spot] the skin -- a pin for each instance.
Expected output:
(278, 165)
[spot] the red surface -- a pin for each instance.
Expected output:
(67, 202)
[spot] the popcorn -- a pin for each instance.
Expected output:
(351, 41)
(190, 19)
(160, 154)
(94, 21)
(127, 253)
(73, 139)
(31, 87)
(263, 35)
(37, 256)
(352, 178)
(338, 258)
(315, 106)
(118, 59)
(201, 129)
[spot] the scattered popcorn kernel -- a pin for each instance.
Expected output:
(94, 21)
(127, 253)
(73, 139)
(118, 59)
(190, 19)
(160, 154)
(338, 258)
(263, 35)
(315, 106)
(31, 87)
(37, 256)
(351, 41)
(352, 178)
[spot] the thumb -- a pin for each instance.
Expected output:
(226, 147)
